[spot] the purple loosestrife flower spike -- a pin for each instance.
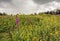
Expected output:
(16, 21)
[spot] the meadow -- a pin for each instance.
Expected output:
(43, 27)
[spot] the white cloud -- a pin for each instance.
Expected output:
(26, 6)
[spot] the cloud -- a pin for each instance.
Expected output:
(22, 6)
(42, 1)
(5, 0)
(26, 6)
(57, 1)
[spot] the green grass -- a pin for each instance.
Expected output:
(30, 28)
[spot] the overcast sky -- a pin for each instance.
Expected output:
(27, 6)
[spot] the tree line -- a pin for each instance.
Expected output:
(55, 12)
(1, 14)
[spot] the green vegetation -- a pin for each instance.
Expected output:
(43, 27)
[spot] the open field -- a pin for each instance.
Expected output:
(43, 27)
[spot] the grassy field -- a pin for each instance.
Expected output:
(41, 27)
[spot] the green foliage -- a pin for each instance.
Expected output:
(41, 27)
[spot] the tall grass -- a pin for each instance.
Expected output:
(30, 28)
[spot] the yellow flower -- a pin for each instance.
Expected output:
(56, 32)
(40, 39)
(55, 21)
(34, 38)
(51, 33)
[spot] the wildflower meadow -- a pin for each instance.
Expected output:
(43, 27)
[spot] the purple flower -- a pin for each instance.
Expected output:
(16, 21)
